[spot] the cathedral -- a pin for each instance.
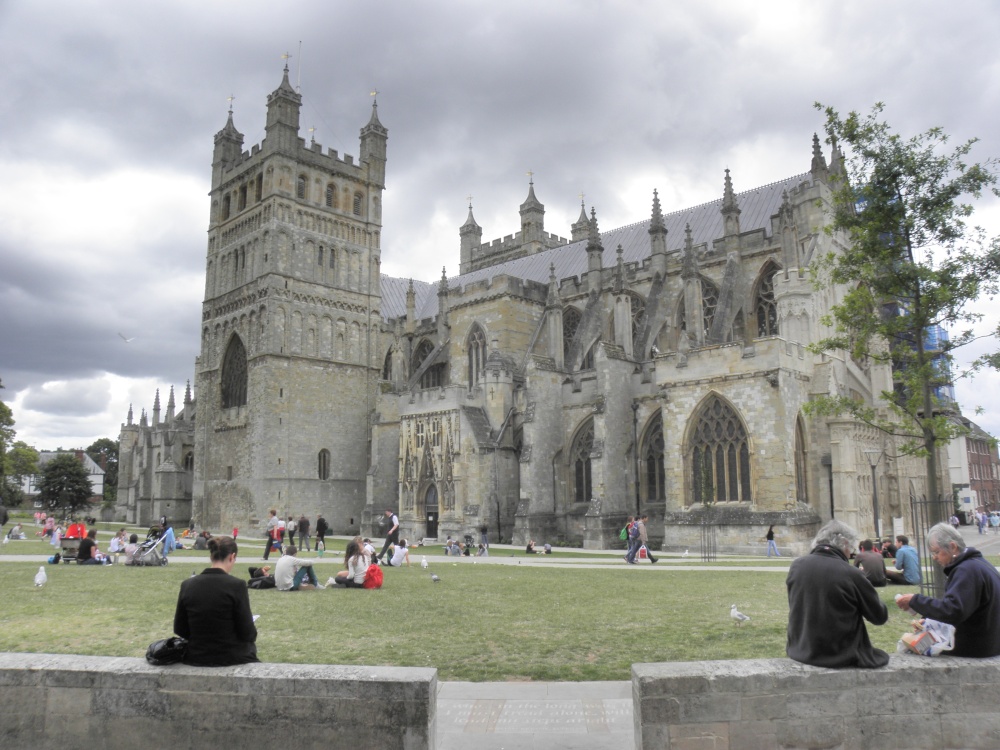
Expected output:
(553, 387)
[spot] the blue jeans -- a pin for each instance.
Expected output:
(306, 571)
(772, 547)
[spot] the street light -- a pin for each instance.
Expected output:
(873, 458)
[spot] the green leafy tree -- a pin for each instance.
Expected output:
(912, 263)
(65, 485)
(7, 433)
(21, 461)
(104, 452)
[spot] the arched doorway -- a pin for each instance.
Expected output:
(431, 511)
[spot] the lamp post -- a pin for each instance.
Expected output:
(635, 447)
(873, 458)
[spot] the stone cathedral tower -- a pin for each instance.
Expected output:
(290, 321)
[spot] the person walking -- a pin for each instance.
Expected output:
(393, 536)
(771, 546)
(304, 532)
(271, 532)
(321, 531)
(643, 539)
(291, 526)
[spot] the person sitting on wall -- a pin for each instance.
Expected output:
(828, 603)
(871, 562)
(971, 599)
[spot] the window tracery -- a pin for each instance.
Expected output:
(720, 455)
(476, 348)
(234, 374)
(583, 445)
(767, 308)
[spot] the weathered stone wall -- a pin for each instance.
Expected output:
(760, 704)
(61, 701)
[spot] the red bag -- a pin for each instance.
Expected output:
(373, 577)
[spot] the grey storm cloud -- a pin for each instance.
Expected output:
(110, 108)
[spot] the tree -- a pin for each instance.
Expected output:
(7, 433)
(21, 461)
(911, 264)
(104, 452)
(65, 485)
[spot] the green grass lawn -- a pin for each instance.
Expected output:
(480, 623)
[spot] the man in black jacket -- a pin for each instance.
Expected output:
(828, 603)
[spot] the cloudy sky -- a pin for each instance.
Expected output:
(109, 110)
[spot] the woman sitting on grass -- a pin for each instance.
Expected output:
(213, 612)
(357, 566)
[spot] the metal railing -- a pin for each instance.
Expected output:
(925, 513)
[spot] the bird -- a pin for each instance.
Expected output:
(738, 616)
(126, 340)
(655, 349)
(685, 553)
(40, 577)
(435, 578)
(423, 562)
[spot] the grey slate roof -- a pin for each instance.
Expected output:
(757, 206)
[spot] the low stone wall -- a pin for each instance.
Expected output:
(67, 701)
(762, 704)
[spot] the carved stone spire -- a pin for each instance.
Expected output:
(819, 169)
(730, 209)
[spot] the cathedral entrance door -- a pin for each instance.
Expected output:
(431, 511)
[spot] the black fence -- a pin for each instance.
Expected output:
(925, 514)
(709, 540)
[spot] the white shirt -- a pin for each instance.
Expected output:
(398, 555)
(284, 571)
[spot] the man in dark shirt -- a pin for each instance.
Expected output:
(872, 563)
(828, 603)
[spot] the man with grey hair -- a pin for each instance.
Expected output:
(971, 597)
(828, 603)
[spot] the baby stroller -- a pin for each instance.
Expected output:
(149, 554)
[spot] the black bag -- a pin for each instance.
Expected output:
(167, 651)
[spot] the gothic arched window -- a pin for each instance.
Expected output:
(323, 464)
(331, 194)
(476, 348)
(801, 483)
(638, 306)
(433, 376)
(234, 374)
(358, 200)
(588, 358)
(767, 309)
(571, 322)
(709, 303)
(387, 366)
(226, 203)
(653, 481)
(720, 455)
(583, 445)
(300, 187)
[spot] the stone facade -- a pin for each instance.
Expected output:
(551, 389)
(155, 464)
